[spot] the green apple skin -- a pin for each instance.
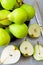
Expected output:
(19, 31)
(4, 37)
(29, 10)
(18, 16)
(3, 17)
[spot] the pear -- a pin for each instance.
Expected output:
(10, 55)
(0, 0)
(29, 10)
(4, 37)
(18, 16)
(7, 29)
(38, 52)
(26, 48)
(19, 31)
(34, 30)
(3, 17)
(18, 4)
(10, 4)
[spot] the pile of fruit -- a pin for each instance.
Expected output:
(13, 15)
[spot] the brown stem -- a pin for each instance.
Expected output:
(20, 2)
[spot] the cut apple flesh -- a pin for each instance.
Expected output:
(26, 48)
(38, 52)
(10, 55)
(34, 30)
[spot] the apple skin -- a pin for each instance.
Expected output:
(29, 10)
(19, 31)
(4, 37)
(18, 16)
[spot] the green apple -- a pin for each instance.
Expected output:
(18, 16)
(38, 52)
(4, 37)
(3, 17)
(34, 30)
(29, 10)
(19, 31)
(10, 55)
(26, 48)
